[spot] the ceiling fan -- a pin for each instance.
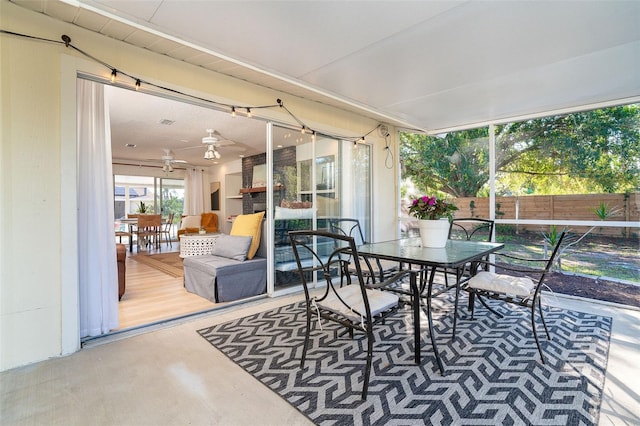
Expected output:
(213, 141)
(169, 160)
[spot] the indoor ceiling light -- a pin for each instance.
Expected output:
(211, 153)
(167, 166)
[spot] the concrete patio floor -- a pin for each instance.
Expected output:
(172, 376)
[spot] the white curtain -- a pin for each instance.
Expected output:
(193, 192)
(98, 273)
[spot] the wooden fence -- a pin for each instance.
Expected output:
(558, 207)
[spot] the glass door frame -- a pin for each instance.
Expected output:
(341, 193)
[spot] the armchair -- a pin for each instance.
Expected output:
(208, 220)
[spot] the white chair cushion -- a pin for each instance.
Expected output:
(190, 222)
(379, 301)
(506, 284)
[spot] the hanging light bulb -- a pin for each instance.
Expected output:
(211, 153)
(233, 111)
(303, 130)
(114, 74)
(137, 85)
(208, 154)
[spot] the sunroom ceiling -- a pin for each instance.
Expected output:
(429, 65)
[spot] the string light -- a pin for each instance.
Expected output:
(66, 40)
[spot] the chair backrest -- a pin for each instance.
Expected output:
(326, 253)
(169, 223)
(552, 258)
(547, 266)
(349, 228)
(149, 221)
(471, 228)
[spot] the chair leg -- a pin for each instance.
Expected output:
(472, 302)
(489, 307)
(535, 332)
(544, 323)
(306, 337)
(367, 372)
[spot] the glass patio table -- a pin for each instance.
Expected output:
(454, 256)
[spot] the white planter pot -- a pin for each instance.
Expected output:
(434, 233)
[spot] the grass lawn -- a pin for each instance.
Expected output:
(611, 258)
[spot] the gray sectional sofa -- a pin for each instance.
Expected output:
(224, 277)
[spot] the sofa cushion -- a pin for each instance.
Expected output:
(190, 222)
(232, 247)
(249, 225)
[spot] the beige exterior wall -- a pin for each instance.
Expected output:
(38, 267)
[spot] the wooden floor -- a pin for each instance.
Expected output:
(152, 295)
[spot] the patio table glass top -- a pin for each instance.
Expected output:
(409, 250)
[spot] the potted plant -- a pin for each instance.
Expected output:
(142, 208)
(434, 216)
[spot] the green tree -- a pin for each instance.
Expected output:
(172, 204)
(457, 163)
(591, 151)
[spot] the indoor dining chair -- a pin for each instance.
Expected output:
(148, 230)
(166, 228)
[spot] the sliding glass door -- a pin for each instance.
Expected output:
(315, 179)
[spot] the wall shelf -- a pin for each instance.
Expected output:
(260, 189)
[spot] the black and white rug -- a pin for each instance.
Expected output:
(493, 373)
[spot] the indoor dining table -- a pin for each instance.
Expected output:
(454, 256)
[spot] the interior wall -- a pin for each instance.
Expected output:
(39, 305)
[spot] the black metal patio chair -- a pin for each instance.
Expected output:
(515, 284)
(356, 306)
(372, 268)
(470, 229)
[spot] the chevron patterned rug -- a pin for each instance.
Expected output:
(493, 373)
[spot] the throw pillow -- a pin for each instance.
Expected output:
(190, 222)
(232, 247)
(249, 225)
